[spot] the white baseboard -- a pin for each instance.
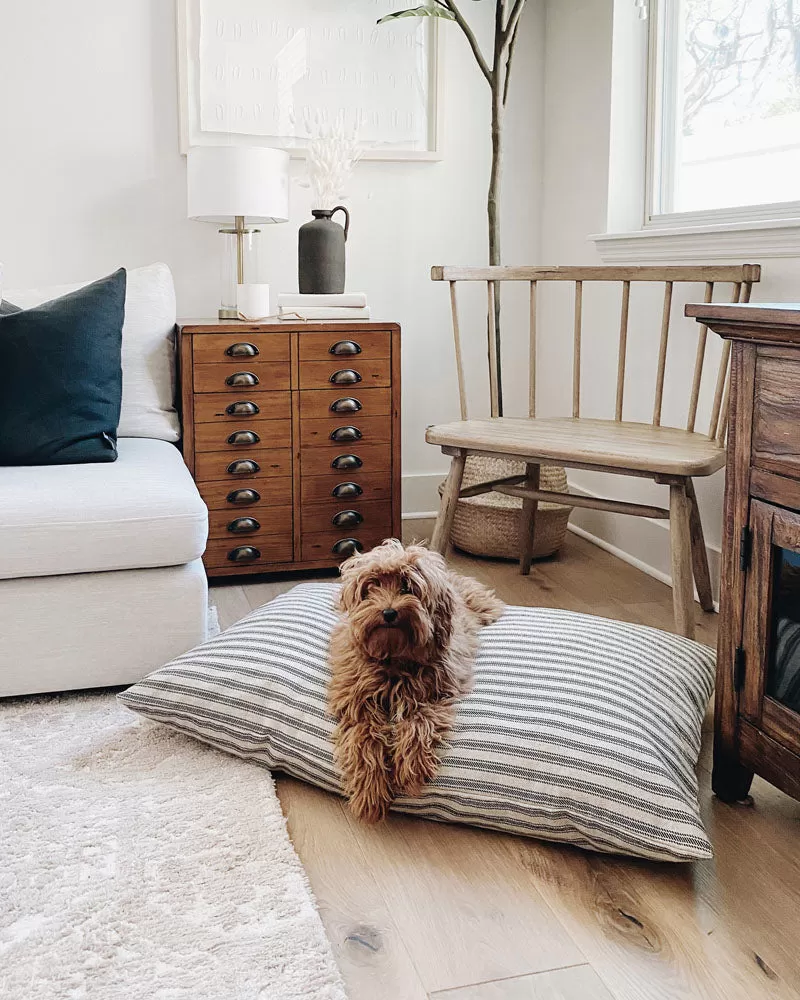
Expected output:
(638, 541)
(421, 495)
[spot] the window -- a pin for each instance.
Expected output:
(724, 120)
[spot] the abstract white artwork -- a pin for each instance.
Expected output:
(271, 71)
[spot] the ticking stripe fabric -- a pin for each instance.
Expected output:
(579, 729)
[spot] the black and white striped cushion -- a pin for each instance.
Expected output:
(579, 729)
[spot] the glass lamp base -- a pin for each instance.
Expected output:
(227, 312)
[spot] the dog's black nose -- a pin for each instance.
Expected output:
(390, 615)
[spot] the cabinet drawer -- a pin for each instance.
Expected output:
(222, 554)
(239, 348)
(337, 432)
(212, 406)
(345, 463)
(259, 521)
(317, 546)
(347, 403)
(230, 496)
(776, 413)
(242, 377)
(346, 374)
(343, 518)
(215, 465)
(334, 490)
(347, 344)
(242, 437)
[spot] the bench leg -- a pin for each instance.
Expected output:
(681, 548)
(447, 508)
(702, 577)
(527, 524)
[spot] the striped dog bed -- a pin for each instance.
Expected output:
(579, 729)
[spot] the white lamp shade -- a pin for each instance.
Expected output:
(226, 181)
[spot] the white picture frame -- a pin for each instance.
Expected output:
(199, 69)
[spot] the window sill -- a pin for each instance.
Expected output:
(725, 241)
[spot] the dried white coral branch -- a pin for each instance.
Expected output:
(332, 153)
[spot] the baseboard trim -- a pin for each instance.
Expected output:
(626, 557)
(421, 515)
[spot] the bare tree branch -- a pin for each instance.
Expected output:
(509, 57)
(473, 41)
(510, 29)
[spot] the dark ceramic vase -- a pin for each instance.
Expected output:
(321, 253)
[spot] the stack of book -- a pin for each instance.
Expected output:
(348, 305)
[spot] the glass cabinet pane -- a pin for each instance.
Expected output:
(783, 674)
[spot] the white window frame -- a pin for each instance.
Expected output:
(639, 232)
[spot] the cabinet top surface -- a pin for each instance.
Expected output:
(281, 326)
(752, 314)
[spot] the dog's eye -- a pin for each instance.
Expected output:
(405, 587)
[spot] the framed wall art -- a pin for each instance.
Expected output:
(266, 72)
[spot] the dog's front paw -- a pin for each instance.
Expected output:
(414, 756)
(370, 805)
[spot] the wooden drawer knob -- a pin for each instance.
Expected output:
(346, 434)
(243, 497)
(345, 376)
(243, 438)
(242, 378)
(347, 547)
(244, 408)
(346, 462)
(346, 405)
(347, 519)
(345, 347)
(242, 351)
(244, 467)
(346, 490)
(244, 553)
(243, 526)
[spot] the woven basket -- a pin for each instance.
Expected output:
(488, 525)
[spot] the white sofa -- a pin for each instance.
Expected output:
(101, 579)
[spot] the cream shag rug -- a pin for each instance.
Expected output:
(138, 864)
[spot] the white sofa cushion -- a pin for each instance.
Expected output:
(142, 510)
(148, 349)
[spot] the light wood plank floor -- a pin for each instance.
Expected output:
(419, 910)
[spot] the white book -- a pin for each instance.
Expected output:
(322, 312)
(347, 300)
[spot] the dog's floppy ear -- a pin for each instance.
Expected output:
(439, 595)
(350, 572)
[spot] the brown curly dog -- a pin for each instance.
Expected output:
(402, 654)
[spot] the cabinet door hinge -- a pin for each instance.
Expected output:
(738, 668)
(745, 547)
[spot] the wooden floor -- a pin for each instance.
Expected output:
(419, 910)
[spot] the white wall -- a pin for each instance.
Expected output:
(91, 179)
(578, 79)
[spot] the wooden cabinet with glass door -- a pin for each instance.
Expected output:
(757, 710)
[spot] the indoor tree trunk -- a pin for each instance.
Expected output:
(493, 207)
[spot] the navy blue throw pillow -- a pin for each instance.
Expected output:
(61, 377)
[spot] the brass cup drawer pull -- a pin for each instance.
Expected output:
(244, 553)
(345, 347)
(244, 467)
(244, 526)
(346, 405)
(346, 462)
(346, 434)
(242, 351)
(347, 547)
(244, 408)
(243, 438)
(243, 498)
(347, 519)
(346, 490)
(345, 376)
(242, 378)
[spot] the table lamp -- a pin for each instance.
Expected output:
(238, 187)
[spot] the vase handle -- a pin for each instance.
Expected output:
(341, 208)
